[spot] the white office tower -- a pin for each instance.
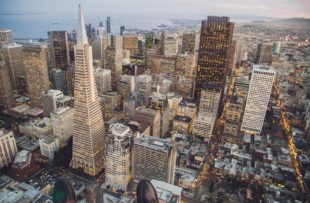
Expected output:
(62, 122)
(209, 101)
(118, 156)
(103, 80)
(88, 124)
(8, 147)
(143, 89)
(154, 158)
(258, 98)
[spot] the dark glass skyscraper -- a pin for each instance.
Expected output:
(108, 24)
(60, 46)
(215, 40)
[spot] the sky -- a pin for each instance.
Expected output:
(159, 8)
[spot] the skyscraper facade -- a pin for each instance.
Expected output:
(8, 147)
(188, 43)
(143, 89)
(36, 63)
(103, 80)
(131, 43)
(263, 53)
(60, 48)
(215, 40)
(88, 125)
(114, 63)
(258, 98)
(118, 155)
(6, 91)
(13, 54)
(154, 158)
(108, 24)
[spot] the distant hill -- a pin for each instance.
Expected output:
(294, 20)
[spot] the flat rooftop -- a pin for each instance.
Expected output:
(153, 143)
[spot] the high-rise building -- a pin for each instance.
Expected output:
(6, 91)
(242, 85)
(233, 116)
(149, 40)
(88, 125)
(122, 29)
(60, 48)
(167, 65)
(114, 63)
(126, 86)
(159, 102)
(263, 53)
(143, 89)
(169, 44)
(231, 58)
(110, 101)
(118, 170)
(131, 43)
(108, 24)
(36, 63)
(70, 79)
(209, 100)
(154, 158)
(188, 43)
(62, 122)
(276, 47)
(103, 80)
(13, 54)
(150, 117)
(184, 87)
(59, 80)
(258, 98)
(116, 41)
(8, 147)
(203, 125)
(49, 99)
(48, 146)
(215, 39)
(185, 65)
(5, 37)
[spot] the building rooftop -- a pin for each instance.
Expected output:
(119, 130)
(61, 110)
(167, 192)
(43, 199)
(188, 103)
(27, 143)
(48, 140)
(111, 197)
(153, 143)
(263, 68)
(184, 119)
(5, 180)
(21, 108)
(21, 158)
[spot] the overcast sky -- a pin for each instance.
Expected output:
(167, 8)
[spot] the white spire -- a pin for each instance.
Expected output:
(81, 32)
